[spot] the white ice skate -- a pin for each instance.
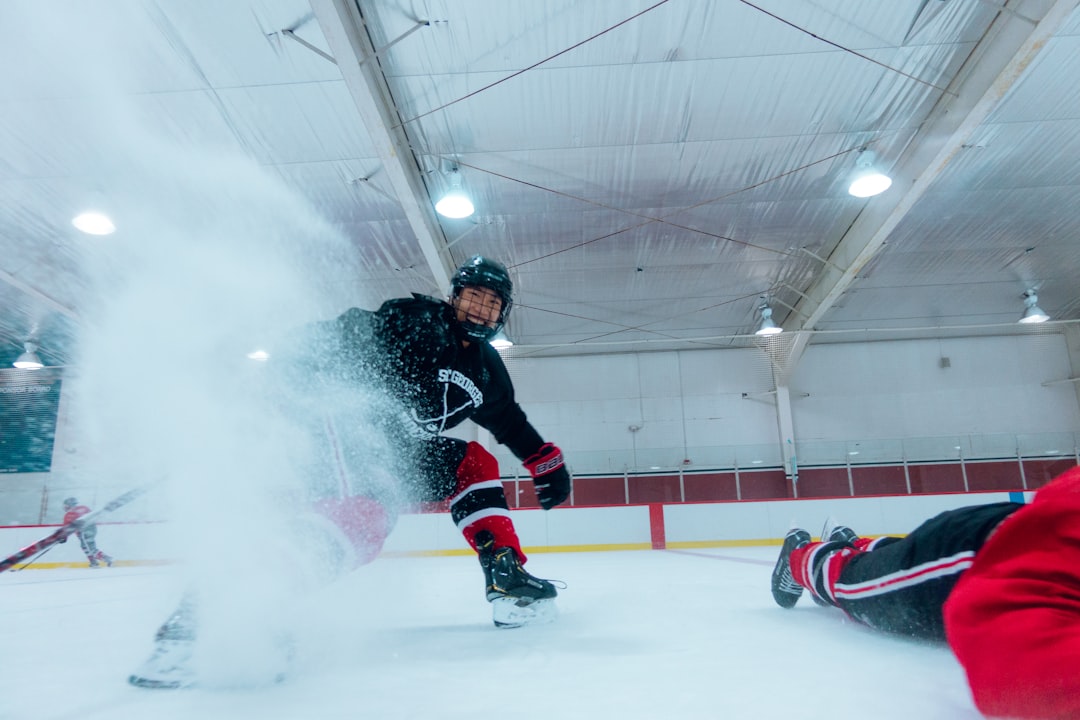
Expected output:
(169, 668)
(509, 612)
(227, 652)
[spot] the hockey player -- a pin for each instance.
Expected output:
(87, 533)
(433, 359)
(1021, 601)
(1000, 582)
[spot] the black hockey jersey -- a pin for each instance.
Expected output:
(409, 347)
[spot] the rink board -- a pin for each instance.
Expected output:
(633, 527)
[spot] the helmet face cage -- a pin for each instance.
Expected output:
(479, 271)
(70, 503)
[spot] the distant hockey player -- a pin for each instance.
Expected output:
(432, 359)
(1000, 582)
(87, 533)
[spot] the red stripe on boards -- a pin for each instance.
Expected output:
(656, 526)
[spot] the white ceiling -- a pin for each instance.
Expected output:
(648, 170)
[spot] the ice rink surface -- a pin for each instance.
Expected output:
(648, 634)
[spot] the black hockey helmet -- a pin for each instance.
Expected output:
(479, 271)
(70, 503)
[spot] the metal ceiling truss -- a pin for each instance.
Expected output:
(343, 25)
(1007, 48)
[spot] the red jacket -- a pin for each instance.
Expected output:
(1013, 619)
(75, 513)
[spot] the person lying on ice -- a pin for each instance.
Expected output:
(999, 582)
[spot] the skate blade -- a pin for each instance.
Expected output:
(142, 682)
(507, 613)
(149, 684)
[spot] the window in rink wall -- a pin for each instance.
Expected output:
(29, 400)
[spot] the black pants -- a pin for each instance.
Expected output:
(901, 584)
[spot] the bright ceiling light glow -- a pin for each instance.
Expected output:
(455, 204)
(869, 185)
(259, 355)
(93, 222)
(868, 180)
(29, 360)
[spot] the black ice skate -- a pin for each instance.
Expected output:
(517, 597)
(785, 591)
(832, 532)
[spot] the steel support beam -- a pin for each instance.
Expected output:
(995, 66)
(352, 49)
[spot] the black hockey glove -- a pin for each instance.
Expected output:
(549, 475)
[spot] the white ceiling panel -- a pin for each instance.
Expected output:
(650, 172)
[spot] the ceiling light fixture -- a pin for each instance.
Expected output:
(93, 217)
(767, 326)
(501, 341)
(29, 360)
(455, 204)
(93, 222)
(867, 180)
(1032, 312)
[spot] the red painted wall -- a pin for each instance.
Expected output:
(888, 480)
(710, 487)
(824, 482)
(817, 482)
(772, 484)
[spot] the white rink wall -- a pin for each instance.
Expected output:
(703, 410)
(568, 529)
(690, 524)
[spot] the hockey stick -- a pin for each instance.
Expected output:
(31, 561)
(70, 529)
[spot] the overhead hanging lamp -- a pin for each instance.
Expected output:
(455, 204)
(767, 326)
(93, 222)
(93, 219)
(868, 180)
(29, 360)
(501, 341)
(1032, 312)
